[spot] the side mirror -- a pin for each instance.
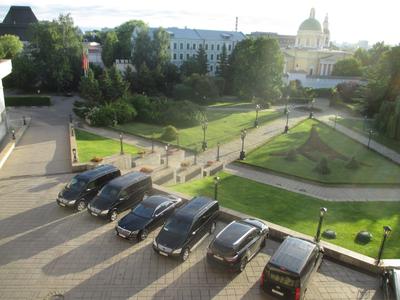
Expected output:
(121, 199)
(194, 232)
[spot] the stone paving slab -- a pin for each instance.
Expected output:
(45, 249)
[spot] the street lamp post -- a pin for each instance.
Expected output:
(386, 232)
(365, 123)
(195, 156)
(70, 118)
(74, 153)
(216, 182)
(312, 109)
(256, 121)
(287, 111)
(218, 145)
(322, 212)
(242, 137)
(152, 143)
(121, 143)
(369, 137)
(204, 126)
(177, 139)
(335, 121)
(23, 120)
(13, 134)
(166, 155)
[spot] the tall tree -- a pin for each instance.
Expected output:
(202, 62)
(108, 53)
(223, 63)
(10, 46)
(124, 33)
(347, 67)
(89, 87)
(160, 49)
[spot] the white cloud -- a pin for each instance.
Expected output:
(349, 20)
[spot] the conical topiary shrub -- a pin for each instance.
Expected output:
(322, 167)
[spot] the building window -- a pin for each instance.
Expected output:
(174, 46)
(187, 56)
(194, 46)
(217, 56)
(212, 46)
(187, 46)
(212, 56)
(181, 56)
(181, 46)
(230, 47)
(194, 55)
(174, 55)
(206, 46)
(218, 47)
(211, 68)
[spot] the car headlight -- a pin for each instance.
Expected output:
(177, 251)
(104, 212)
(135, 232)
(155, 243)
(89, 206)
(72, 202)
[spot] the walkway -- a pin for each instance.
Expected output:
(43, 150)
(334, 193)
(381, 149)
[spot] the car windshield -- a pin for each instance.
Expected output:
(109, 192)
(76, 184)
(143, 211)
(177, 226)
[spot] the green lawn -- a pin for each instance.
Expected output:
(301, 213)
(358, 126)
(374, 168)
(91, 145)
(222, 127)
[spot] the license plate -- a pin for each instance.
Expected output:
(277, 292)
(121, 235)
(94, 214)
(163, 253)
(218, 257)
(61, 204)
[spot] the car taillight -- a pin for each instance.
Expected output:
(262, 279)
(231, 259)
(297, 294)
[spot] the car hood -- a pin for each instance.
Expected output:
(69, 194)
(101, 203)
(133, 222)
(170, 240)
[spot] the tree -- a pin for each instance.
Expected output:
(256, 68)
(24, 73)
(142, 48)
(108, 53)
(56, 48)
(124, 32)
(118, 86)
(10, 46)
(201, 59)
(89, 87)
(223, 63)
(160, 43)
(347, 67)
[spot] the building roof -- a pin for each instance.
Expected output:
(20, 15)
(204, 34)
(311, 24)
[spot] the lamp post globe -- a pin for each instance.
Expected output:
(322, 212)
(204, 126)
(386, 231)
(243, 134)
(256, 120)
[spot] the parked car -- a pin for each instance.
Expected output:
(237, 244)
(84, 186)
(148, 215)
(390, 283)
(120, 194)
(187, 228)
(290, 268)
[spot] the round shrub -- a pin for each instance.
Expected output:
(329, 234)
(363, 237)
(322, 167)
(101, 116)
(291, 155)
(353, 164)
(124, 112)
(170, 133)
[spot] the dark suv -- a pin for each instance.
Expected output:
(289, 270)
(84, 186)
(120, 194)
(187, 228)
(237, 244)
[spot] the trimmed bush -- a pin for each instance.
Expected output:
(322, 167)
(329, 234)
(101, 116)
(124, 112)
(353, 164)
(28, 101)
(363, 237)
(170, 133)
(291, 155)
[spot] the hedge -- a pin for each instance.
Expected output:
(28, 101)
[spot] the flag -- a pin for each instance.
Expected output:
(85, 61)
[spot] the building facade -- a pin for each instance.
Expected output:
(94, 53)
(184, 44)
(17, 22)
(285, 41)
(5, 69)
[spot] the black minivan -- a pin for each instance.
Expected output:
(84, 186)
(120, 194)
(187, 228)
(289, 270)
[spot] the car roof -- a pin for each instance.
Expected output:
(155, 200)
(292, 254)
(233, 233)
(128, 179)
(195, 206)
(97, 172)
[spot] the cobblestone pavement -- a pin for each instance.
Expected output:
(47, 250)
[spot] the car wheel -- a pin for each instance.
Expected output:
(145, 195)
(185, 254)
(113, 215)
(143, 235)
(263, 243)
(212, 228)
(243, 264)
(81, 205)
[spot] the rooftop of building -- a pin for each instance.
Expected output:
(204, 34)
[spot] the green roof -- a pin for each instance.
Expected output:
(310, 24)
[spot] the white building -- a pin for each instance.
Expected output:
(94, 53)
(184, 43)
(5, 69)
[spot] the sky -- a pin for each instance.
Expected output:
(350, 20)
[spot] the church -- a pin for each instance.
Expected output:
(311, 56)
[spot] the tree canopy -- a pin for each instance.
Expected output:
(347, 67)
(10, 46)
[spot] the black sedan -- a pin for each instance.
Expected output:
(391, 284)
(237, 244)
(148, 215)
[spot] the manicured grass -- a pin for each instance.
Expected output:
(222, 127)
(358, 126)
(374, 168)
(237, 105)
(91, 145)
(301, 213)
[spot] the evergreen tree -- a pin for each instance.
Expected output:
(223, 63)
(89, 87)
(201, 60)
(108, 53)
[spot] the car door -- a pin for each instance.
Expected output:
(136, 193)
(90, 191)
(158, 216)
(253, 243)
(195, 233)
(123, 201)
